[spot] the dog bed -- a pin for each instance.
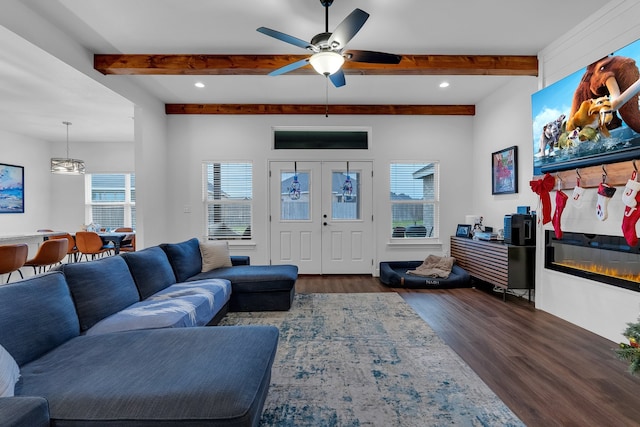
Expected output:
(394, 274)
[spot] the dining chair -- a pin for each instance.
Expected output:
(72, 250)
(50, 253)
(127, 245)
(12, 258)
(90, 243)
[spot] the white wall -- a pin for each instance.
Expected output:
(502, 120)
(600, 308)
(194, 139)
(67, 192)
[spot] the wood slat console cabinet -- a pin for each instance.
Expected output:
(502, 265)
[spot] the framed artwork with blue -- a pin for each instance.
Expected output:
(11, 188)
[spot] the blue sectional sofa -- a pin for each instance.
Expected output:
(119, 342)
(254, 287)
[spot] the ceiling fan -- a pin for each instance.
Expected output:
(328, 48)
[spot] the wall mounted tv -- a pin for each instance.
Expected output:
(590, 117)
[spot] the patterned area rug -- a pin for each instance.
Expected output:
(368, 360)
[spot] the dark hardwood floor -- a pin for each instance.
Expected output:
(548, 371)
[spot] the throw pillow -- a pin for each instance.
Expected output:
(215, 254)
(9, 373)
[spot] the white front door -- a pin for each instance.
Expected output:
(322, 216)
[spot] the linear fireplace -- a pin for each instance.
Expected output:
(606, 259)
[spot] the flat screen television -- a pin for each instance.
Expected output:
(583, 120)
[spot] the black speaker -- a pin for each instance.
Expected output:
(519, 229)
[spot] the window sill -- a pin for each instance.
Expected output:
(414, 243)
(242, 244)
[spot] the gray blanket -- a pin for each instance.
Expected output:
(434, 266)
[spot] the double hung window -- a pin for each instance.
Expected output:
(110, 200)
(414, 200)
(228, 199)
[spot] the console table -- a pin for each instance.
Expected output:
(503, 265)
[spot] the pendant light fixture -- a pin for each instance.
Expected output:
(67, 166)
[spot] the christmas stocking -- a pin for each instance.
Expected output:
(630, 191)
(561, 202)
(577, 196)
(542, 187)
(629, 220)
(605, 193)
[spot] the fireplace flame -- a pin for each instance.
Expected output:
(601, 270)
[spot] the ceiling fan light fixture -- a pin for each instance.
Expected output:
(326, 63)
(67, 166)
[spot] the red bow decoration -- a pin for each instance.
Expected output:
(542, 187)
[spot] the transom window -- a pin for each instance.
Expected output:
(414, 200)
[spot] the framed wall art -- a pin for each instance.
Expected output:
(11, 188)
(504, 171)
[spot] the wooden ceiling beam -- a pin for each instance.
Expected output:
(319, 109)
(138, 64)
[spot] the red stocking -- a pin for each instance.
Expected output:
(561, 202)
(629, 220)
(542, 188)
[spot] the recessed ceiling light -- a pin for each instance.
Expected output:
(444, 84)
(199, 84)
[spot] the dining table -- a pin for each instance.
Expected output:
(116, 238)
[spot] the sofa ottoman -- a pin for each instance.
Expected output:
(253, 287)
(257, 287)
(394, 274)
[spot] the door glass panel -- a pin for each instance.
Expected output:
(295, 196)
(345, 195)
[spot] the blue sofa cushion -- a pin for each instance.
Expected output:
(100, 288)
(24, 411)
(255, 278)
(179, 305)
(36, 315)
(193, 376)
(185, 258)
(150, 269)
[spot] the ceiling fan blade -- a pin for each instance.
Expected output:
(338, 79)
(285, 38)
(347, 29)
(290, 67)
(372, 57)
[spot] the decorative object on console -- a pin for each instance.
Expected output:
(504, 171)
(11, 188)
(67, 166)
(463, 230)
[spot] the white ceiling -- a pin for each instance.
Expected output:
(38, 92)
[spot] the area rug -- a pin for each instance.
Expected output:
(368, 359)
